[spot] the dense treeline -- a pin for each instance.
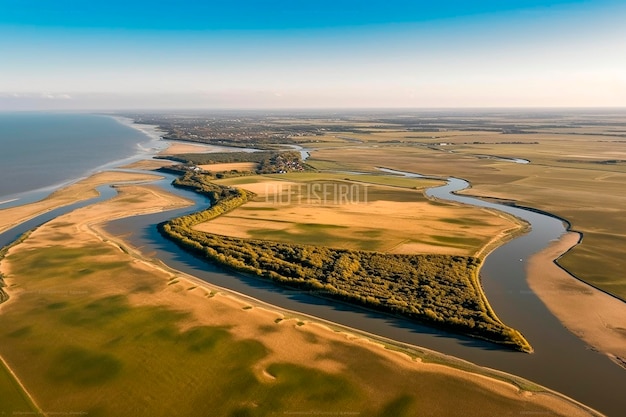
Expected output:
(220, 157)
(219, 195)
(437, 289)
(268, 162)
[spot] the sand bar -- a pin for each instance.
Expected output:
(596, 317)
(79, 191)
(187, 147)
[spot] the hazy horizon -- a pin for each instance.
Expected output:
(136, 55)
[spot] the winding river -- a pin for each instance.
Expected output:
(561, 360)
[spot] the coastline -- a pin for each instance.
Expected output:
(29, 204)
(581, 308)
(151, 131)
(610, 340)
(143, 149)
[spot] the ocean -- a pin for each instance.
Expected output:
(42, 151)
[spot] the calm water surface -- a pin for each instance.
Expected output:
(40, 151)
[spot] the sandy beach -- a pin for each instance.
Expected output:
(596, 317)
(152, 131)
(186, 147)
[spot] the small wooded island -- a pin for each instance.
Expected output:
(439, 290)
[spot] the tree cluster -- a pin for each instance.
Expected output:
(268, 162)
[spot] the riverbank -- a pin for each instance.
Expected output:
(145, 286)
(596, 317)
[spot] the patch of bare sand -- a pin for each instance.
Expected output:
(176, 148)
(149, 164)
(596, 317)
(79, 191)
(231, 166)
(408, 248)
(265, 189)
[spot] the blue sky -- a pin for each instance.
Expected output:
(69, 54)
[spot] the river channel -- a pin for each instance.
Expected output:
(561, 361)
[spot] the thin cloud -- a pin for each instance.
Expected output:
(51, 96)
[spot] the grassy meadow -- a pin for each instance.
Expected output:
(94, 328)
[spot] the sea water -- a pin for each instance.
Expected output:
(41, 151)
